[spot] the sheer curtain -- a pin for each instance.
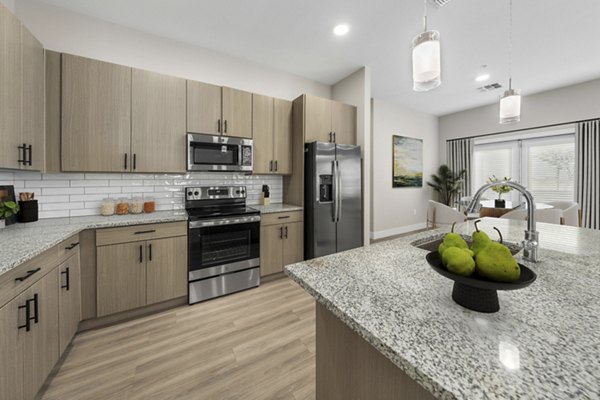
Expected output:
(459, 156)
(588, 172)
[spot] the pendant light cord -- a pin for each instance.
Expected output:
(425, 15)
(510, 44)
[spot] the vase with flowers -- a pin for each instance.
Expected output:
(500, 189)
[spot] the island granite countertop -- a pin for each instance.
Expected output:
(544, 343)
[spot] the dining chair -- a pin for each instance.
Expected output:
(440, 214)
(570, 211)
(548, 215)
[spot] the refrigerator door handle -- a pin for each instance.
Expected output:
(339, 191)
(335, 190)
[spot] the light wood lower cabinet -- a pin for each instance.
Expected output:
(69, 297)
(135, 274)
(280, 244)
(11, 362)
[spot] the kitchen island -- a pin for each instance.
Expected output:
(387, 326)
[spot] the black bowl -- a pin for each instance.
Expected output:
(475, 292)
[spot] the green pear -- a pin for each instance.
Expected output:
(496, 262)
(480, 239)
(452, 240)
(459, 261)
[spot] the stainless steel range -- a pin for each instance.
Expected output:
(223, 242)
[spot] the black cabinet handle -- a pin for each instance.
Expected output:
(29, 273)
(134, 160)
(219, 125)
(150, 252)
(72, 246)
(275, 165)
(67, 284)
(225, 126)
(23, 156)
(284, 217)
(271, 166)
(125, 167)
(36, 315)
(27, 325)
(141, 255)
(142, 232)
(29, 157)
(286, 232)
(334, 139)
(281, 232)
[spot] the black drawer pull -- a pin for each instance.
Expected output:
(72, 246)
(142, 232)
(284, 217)
(29, 273)
(67, 284)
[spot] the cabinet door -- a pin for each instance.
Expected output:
(32, 124)
(204, 108)
(69, 307)
(96, 115)
(11, 362)
(317, 119)
(343, 123)
(166, 269)
(121, 277)
(293, 243)
(282, 136)
(271, 249)
(237, 113)
(262, 134)
(40, 344)
(10, 89)
(158, 140)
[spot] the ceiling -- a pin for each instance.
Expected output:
(556, 42)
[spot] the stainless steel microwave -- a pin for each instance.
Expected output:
(218, 153)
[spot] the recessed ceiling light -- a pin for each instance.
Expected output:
(482, 77)
(341, 30)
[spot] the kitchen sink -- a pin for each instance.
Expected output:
(432, 243)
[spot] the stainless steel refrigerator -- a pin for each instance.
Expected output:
(333, 199)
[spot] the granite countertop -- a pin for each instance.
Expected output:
(22, 242)
(544, 343)
(275, 208)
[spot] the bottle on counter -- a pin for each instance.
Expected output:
(122, 207)
(107, 207)
(149, 205)
(136, 206)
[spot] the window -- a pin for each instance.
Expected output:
(544, 165)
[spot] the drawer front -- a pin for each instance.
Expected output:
(138, 233)
(281, 218)
(68, 248)
(20, 278)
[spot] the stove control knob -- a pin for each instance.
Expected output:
(196, 193)
(190, 193)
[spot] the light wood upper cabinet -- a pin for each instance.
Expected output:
(343, 123)
(69, 296)
(166, 268)
(158, 134)
(40, 344)
(96, 115)
(271, 251)
(10, 89)
(121, 279)
(237, 113)
(262, 134)
(317, 119)
(11, 362)
(282, 136)
(204, 103)
(293, 243)
(329, 121)
(32, 124)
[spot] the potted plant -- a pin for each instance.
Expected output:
(500, 189)
(7, 210)
(447, 183)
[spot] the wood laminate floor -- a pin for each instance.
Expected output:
(258, 344)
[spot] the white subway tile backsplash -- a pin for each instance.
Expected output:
(77, 194)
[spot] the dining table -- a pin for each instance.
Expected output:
(488, 208)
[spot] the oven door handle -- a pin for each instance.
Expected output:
(224, 221)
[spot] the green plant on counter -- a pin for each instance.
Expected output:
(500, 189)
(8, 209)
(447, 183)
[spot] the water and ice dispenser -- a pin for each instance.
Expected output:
(325, 188)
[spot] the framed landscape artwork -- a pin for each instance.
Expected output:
(407, 162)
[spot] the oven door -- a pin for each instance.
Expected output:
(219, 153)
(223, 245)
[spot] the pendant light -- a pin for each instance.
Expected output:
(510, 102)
(426, 59)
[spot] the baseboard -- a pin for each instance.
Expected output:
(398, 231)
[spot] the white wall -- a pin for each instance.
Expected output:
(355, 89)
(65, 31)
(399, 210)
(568, 104)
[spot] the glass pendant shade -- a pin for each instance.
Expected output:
(426, 61)
(510, 106)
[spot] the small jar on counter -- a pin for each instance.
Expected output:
(122, 207)
(136, 206)
(149, 205)
(107, 207)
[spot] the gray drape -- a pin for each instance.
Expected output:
(587, 141)
(459, 154)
